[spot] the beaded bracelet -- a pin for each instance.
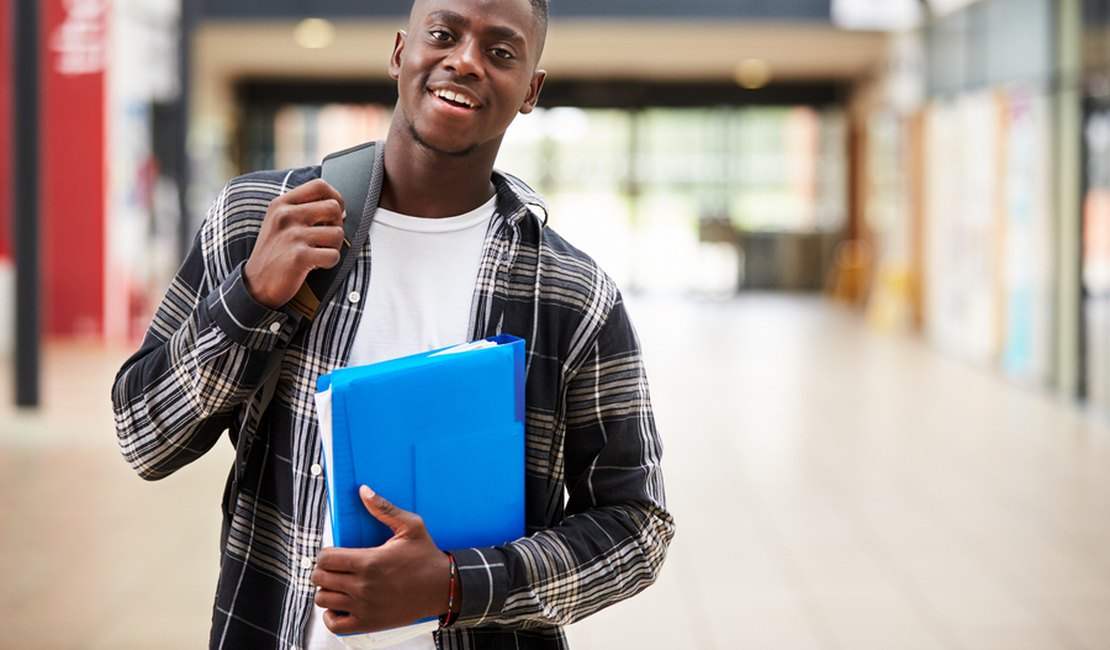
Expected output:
(446, 620)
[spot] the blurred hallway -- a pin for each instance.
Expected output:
(835, 488)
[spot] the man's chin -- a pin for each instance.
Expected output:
(441, 150)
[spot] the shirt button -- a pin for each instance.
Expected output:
(354, 296)
(275, 327)
(306, 562)
(316, 469)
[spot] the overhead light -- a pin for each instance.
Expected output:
(314, 33)
(752, 73)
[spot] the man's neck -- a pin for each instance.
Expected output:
(422, 183)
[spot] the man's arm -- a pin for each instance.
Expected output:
(207, 346)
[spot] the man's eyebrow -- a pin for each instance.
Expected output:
(448, 16)
(505, 33)
(453, 19)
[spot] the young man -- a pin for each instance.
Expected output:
(457, 253)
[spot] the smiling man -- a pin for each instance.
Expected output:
(458, 251)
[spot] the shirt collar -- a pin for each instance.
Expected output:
(515, 199)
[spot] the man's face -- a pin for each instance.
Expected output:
(465, 69)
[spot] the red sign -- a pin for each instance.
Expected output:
(74, 171)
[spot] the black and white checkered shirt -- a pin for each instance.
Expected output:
(597, 526)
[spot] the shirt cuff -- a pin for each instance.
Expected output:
(245, 320)
(484, 578)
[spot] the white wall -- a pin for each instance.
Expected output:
(7, 312)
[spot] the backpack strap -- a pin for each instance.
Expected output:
(357, 173)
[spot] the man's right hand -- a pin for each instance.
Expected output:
(302, 231)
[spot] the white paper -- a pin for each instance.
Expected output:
(467, 347)
(390, 638)
(323, 416)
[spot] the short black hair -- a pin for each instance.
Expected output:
(539, 11)
(539, 8)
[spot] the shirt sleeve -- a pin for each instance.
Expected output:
(614, 538)
(205, 349)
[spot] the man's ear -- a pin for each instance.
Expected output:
(534, 89)
(395, 59)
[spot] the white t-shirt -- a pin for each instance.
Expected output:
(422, 277)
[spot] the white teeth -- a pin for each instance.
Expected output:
(454, 97)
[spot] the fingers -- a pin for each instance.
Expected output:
(319, 247)
(317, 190)
(394, 584)
(401, 522)
(340, 622)
(320, 212)
(335, 600)
(313, 204)
(323, 237)
(335, 560)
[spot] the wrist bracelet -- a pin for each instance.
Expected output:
(446, 619)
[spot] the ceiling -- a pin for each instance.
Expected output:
(648, 49)
(228, 53)
(744, 9)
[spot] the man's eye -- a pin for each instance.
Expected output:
(502, 53)
(440, 35)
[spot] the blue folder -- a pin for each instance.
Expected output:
(439, 433)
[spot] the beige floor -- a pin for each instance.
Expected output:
(834, 489)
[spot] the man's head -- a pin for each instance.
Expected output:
(464, 69)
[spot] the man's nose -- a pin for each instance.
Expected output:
(466, 59)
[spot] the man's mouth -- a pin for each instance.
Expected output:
(456, 99)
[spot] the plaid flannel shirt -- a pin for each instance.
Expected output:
(597, 524)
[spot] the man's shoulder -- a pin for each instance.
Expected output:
(573, 277)
(566, 273)
(273, 181)
(236, 216)
(245, 199)
(566, 252)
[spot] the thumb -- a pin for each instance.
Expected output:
(402, 522)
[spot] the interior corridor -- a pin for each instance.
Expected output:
(834, 488)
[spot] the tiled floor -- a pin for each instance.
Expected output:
(834, 489)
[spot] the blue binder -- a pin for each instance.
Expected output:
(439, 433)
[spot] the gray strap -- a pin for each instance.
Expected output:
(368, 163)
(358, 174)
(349, 171)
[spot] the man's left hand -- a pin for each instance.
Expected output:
(395, 584)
